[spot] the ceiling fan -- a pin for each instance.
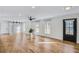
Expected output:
(31, 18)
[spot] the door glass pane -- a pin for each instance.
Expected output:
(71, 30)
(67, 30)
(67, 24)
(71, 23)
(69, 27)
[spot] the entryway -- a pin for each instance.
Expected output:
(70, 30)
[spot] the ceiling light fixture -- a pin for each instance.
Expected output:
(68, 8)
(33, 6)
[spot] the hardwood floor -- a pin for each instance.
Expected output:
(22, 43)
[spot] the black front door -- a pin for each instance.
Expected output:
(70, 29)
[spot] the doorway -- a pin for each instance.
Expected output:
(70, 29)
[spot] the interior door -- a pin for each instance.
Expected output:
(70, 29)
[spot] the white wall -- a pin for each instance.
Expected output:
(57, 26)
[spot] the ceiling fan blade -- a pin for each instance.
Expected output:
(31, 18)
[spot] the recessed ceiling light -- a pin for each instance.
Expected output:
(33, 6)
(68, 8)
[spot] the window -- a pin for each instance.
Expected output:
(37, 28)
(47, 28)
(18, 29)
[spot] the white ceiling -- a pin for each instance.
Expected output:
(38, 12)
